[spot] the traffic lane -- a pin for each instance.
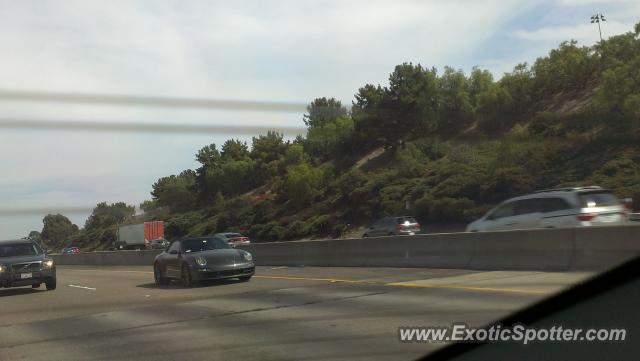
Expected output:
(323, 320)
(300, 314)
(86, 290)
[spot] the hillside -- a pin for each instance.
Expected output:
(443, 146)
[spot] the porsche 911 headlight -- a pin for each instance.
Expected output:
(48, 264)
(201, 261)
(247, 256)
(3, 268)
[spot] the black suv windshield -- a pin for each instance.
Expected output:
(203, 244)
(18, 249)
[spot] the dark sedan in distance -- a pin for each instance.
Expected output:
(234, 239)
(159, 243)
(393, 226)
(71, 250)
(199, 259)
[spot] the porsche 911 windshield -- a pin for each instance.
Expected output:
(208, 244)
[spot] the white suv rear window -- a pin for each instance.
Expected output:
(598, 199)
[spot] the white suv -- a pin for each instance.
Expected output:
(555, 208)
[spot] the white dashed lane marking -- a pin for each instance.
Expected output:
(83, 287)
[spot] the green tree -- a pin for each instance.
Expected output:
(413, 99)
(619, 93)
(631, 110)
(479, 81)
(568, 67)
(302, 184)
(519, 85)
(57, 229)
(237, 176)
(322, 111)
(206, 182)
(268, 148)
(295, 154)
(105, 215)
(267, 152)
(177, 192)
(328, 140)
(494, 108)
(149, 205)
(234, 149)
(368, 115)
(455, 109)
(387, 115)
(209, 156)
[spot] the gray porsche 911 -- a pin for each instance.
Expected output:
(199, 259)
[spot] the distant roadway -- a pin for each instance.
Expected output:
(283, 313)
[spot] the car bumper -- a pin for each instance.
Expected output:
(17, 280)
(202, 274)
(236, 244)
(408, 232)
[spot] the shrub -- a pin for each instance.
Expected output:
(319, 224)
(297, 229)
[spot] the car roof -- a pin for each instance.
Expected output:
(565, 193)
(201, 237)
(16, 241)
(226, 234)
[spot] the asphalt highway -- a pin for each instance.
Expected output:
(283, 313)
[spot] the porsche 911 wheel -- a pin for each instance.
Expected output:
(185, 277)
(157, 276)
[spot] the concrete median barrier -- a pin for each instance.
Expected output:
(594, 248)
(599, 246)
(542, 249)
(108, 258)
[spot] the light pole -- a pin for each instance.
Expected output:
(597, 18)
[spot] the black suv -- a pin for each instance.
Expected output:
(23, 263)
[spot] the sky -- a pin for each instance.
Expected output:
(282, 51)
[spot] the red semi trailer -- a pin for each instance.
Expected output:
(138, 236)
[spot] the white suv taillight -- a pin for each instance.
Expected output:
(586, 217)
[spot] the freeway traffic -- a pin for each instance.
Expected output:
(283, 313)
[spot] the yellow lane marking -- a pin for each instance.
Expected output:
(339, 280)
(332, 280)
(410, 284)
(471, 288)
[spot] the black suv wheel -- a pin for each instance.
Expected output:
(51, 284)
